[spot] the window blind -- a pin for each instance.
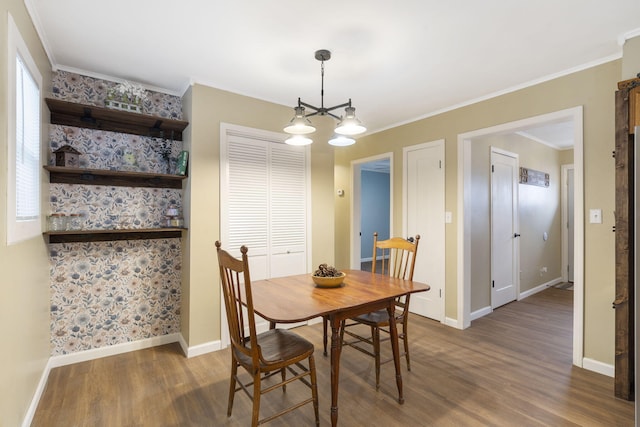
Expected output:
(27, 149)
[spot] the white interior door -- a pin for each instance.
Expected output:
(424, 207)
(504, 227)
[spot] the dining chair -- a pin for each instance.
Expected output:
(395, 257)
(265, 354)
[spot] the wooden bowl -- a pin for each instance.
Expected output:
(328, 282)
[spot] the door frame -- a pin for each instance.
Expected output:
(564, 175)
(464, 215)
(356, 188)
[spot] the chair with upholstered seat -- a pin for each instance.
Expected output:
(261, 355)
(396, 257)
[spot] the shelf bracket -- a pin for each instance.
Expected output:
(86, 117)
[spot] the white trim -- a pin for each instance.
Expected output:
(356, 188)
(452, 322)
(200, 349)
(464, 223)
(32, 10)
(599, 367)
(97, 353)
(481, 312)
(564, 237)
(627, 36)
(539, 288)
(31, 411)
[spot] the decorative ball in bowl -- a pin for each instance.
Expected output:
(328, 277)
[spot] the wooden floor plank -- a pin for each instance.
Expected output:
(510, 368)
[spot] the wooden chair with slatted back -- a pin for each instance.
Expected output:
(396, 257)
(261, 355)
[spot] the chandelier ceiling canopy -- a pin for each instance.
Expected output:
(300, 125)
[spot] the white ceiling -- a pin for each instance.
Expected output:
(397, 61)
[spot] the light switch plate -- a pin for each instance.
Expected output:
(448, 217)
(595, 216)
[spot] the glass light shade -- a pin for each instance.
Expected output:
(341, 141)
(298, 140)
(299, 125)
(350, 125)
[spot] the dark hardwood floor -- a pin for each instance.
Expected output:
(510, 368)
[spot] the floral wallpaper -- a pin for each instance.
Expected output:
(89, 90)
(106, 293)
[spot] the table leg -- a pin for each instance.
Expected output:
(336, 347)
(393, 330)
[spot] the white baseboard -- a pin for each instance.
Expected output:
(205, 348)
(599, 367)
(97, 353)
(452, 322)
(540, 288)
(480, 313)
(31, 411)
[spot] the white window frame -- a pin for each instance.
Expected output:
(20, 230)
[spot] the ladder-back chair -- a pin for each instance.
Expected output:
(396, 257)
(261, 355)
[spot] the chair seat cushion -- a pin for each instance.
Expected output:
(380, 317)
(278, 345)
(377, 318)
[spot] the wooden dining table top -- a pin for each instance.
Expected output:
(293, 299)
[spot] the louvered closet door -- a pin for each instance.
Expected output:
(287, 219)
(264, 204)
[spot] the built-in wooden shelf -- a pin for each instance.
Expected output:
(102, 118)
(107, 235)
(66, 175)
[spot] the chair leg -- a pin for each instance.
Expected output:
(324, 334)
(405, 338)
(375, 333)
(256, 399)
(314, 388)
(232, 385)
(283, 373)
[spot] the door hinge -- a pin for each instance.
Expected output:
(492, 168)
(440, 164)
(440, 293)
(493, 283)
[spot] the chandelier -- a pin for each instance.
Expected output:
(300, 125)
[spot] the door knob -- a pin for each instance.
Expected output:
(516, 234)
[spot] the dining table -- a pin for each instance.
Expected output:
(293, 299)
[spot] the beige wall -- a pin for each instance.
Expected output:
(594, 90)
(206, 108)
(24, 306)
(539, 212)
